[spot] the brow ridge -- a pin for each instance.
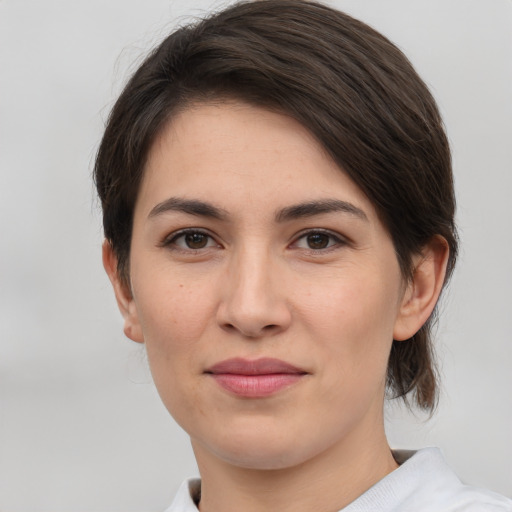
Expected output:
(189, 206)
(318, 207)
(307, 209)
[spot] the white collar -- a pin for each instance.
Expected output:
(422, 483)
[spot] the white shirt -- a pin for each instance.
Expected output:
(422, 483)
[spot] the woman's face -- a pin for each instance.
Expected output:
(265, 288)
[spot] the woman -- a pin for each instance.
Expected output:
(279, 220)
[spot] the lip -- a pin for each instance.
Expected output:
(255, 378)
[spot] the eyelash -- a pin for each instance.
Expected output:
(334, 242)
(170, 241)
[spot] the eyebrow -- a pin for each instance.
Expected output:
(319, 207)
(298, 211)
(189, 206)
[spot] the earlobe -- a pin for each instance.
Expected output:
(424, 289)
(127, 307)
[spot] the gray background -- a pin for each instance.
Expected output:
(81, 426)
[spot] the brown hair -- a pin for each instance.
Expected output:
(350, 86)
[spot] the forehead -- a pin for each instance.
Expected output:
(242, 155)
(234, 136)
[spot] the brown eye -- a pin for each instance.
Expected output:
(318, 240)
(196, 240)
(190, 240)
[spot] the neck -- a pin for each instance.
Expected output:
(326, 483)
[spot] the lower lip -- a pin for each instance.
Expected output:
(256, 386)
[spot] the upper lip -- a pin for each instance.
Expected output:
(263, 366)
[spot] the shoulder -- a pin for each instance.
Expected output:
(425, 483)
(187, 497)
(472, 499)
(439, 488)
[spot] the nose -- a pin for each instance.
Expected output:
(253, 297)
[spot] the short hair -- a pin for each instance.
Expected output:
(355, 92)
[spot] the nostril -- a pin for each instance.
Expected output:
(251, 331)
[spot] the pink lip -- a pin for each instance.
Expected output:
(255, 379)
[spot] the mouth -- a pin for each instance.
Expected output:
(255, 379)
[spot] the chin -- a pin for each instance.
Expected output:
(262, 449)
(264, 459)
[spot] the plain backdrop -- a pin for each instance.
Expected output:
(81, 425)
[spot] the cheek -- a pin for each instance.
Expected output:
(173, 312)
(174, 318)
(352, 329)
(353, 305)
(351, 318)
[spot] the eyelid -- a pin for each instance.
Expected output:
(339, 239)
(168, 240)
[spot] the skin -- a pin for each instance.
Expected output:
(322, 292)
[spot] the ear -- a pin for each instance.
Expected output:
(124, 297)
(422, 292)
